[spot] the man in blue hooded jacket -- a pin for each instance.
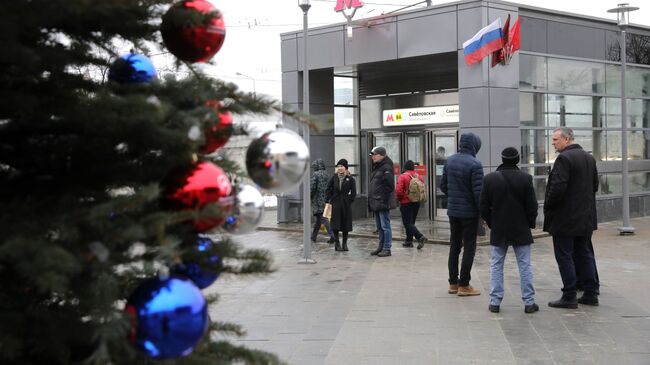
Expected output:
(462, 180)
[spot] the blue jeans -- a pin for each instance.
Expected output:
(498, 256)
(382, 220)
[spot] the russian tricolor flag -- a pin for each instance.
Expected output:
(486, 41)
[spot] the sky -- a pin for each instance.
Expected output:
(253, 28)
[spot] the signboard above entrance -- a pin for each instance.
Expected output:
(419, 116)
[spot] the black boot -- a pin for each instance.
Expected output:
(589, 299)
(378, 250)
(337, 246)
(566, 301)
(345, 244)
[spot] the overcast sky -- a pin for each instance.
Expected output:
(252, 45)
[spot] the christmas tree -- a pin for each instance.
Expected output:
(99, 158)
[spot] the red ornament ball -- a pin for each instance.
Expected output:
(220, 129)
(194, 187)
(193, 30)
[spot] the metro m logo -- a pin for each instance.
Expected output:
(347, 4)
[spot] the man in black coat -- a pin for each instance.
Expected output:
(570, 217)
(509, 207)
(381, 198)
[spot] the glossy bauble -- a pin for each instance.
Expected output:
(194, 187)
(132, 68)
(219, 130)
(278, 160)
(169, 316)
(203, 278)
(247, 212)
(193, 30)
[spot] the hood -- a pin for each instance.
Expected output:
(318, 164)
(470, 143)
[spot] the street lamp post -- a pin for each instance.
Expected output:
(306, 196)
(252, 79)
(623, 16)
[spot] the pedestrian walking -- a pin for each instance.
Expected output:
(318, 186)
(409, 193)
(462, 179)
(509, 208)
(570, 217)
(341, 191)
(381, 198)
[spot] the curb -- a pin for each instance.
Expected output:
(479, 242)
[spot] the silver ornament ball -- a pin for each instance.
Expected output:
(278, 160)
(248, 211)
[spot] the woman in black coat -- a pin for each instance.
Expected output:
(341, 191)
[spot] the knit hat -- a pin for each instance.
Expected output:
(343, 162)
(378, 151)
(409, 165)
(510, 156)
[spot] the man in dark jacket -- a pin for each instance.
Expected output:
(570, 217)
(462, 179)
(509, 207)
(381, 198)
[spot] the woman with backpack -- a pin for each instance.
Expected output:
(341, 191)
(410, 194)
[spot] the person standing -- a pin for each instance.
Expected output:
(462, 179)
(570, 217)
(317, 195)
(341, 191)
(408, 208)
(381, 188)
(509, 207)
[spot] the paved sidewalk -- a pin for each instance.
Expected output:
(353, 308)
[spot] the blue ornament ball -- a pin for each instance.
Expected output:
(169, 317)
(132, 68)
(201, 277)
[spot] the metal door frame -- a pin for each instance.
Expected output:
(430, 151)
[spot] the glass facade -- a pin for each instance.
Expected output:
(346, 123)
(584, 96)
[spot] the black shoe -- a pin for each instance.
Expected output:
(421, 242)
(331, 240)
(570, 303)
(313, 240)
(378, 250)
(588, 299)
(494, 308)
(384, 253)
(531, 308)
(407, 244)
(337, 246)
(345, 246)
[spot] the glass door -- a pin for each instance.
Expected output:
(415, 151)
(442, 144)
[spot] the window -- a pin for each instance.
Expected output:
(532, 72)
(576, 76)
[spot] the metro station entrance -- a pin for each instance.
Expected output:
(429, 150)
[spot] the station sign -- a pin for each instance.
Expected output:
(420, 116)
(347, 4)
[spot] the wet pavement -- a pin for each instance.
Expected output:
(353, 308)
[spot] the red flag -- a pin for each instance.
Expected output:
(498, 56)
(515, 38)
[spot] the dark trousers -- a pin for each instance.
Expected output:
(463, 235)
(409, 214)
(579, 275)
(318, 220)
(566, 248)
